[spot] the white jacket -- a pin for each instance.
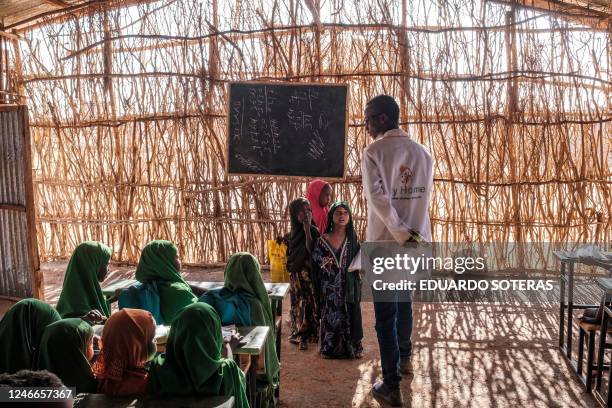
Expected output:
(397, 177)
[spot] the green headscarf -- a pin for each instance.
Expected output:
(81, 291)
(157, 264)
(63, 351)
(242, 273)
(192, 363)
(20, 332)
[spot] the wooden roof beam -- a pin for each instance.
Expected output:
(575, 13)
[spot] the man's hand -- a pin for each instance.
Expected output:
(94, 317)
(414, 239)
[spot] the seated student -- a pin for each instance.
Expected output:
(81, 292)
(318, 194)
(192, 363)
(243, 276)
(66, 349)
(20, 332)
(340, 294)
(40, 379)
(159, 262)
(128, 344)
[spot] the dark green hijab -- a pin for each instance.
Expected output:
(157, 264)
(192, 363)
(20, 332)
(63, 351)
(242, 273)
(81, 291)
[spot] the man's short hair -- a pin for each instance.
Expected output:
(29, 378)
(387, 105)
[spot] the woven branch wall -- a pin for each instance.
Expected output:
(128, 116)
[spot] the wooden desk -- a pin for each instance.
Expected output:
(276, 291)
(568, 260)
(120, 284)
(160, 337)
(255, 337)
(141, 401)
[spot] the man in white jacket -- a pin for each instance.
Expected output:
(397, 177)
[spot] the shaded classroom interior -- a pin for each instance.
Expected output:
(116, 126)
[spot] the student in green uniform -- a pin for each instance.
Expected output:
(192, 363)
(243, 278)
(66, 349)
(81, 292)
(159, 262)
(20, 332)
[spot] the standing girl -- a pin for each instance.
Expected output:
(319, 194)
(303, 235)
(341, 329)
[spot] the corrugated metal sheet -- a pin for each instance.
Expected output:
(15, 265)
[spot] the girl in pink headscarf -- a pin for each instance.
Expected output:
(319, 194)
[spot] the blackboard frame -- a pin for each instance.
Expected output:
(346, 135)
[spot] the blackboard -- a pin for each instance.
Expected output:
(287, 129)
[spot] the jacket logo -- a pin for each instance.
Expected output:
(405, 174)
(403, 191)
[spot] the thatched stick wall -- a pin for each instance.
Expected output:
(128, 117)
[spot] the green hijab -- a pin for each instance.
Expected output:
(63, 351)
(192, 363)
(81, 291)
(20, 332)
(157, 264)
(242, 273)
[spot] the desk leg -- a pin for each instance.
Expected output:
(570, 310)
(278, 345)
(602, 349)
(562, 305)
(279, 313)
(253, 380)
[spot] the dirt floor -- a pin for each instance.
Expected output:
(465, 355)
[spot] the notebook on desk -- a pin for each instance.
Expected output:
(161, 334)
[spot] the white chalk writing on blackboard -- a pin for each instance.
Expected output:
(286, 129)
(316, 147)
(299, 119)
(270, 98)
(275, 134)
(304, 97)
(323, 121)
(264, 132)
(251, 164)
(237, 118)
